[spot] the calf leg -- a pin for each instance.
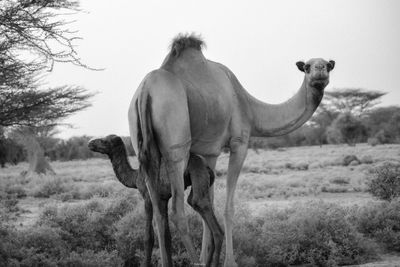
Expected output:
(200, 200)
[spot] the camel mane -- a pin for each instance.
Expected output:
(184, 41)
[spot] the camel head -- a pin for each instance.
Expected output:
(106, 145)
(316, 72)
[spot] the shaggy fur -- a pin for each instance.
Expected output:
(185, 41)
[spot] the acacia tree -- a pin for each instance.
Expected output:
(34, 36)
(346, 128)
(355, 101)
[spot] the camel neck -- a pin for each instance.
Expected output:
(123, 170)
(279, 119)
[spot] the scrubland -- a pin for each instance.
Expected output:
(304, 206)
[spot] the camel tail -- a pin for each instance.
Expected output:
(149, 154)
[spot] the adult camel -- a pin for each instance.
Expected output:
(197, 175)
(194, 105)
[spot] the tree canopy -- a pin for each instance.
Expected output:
(33, 36)
(351, 100)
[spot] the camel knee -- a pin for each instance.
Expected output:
(177, 152)
(199, 203)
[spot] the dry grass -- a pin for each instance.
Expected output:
(277, 175)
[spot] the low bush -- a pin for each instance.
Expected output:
(382, 222)
(110, 232)
(129, 236)
(349, 159)
(49, 186)
(43, 246)
(385, 182)
(89, 225)
(316, 233)
(16, 190)
(90, 258)
(367, 159)
(373, 141)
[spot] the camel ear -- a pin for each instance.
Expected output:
(300, 65)
(331, 65)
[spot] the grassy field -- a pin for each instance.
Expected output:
(273, 185)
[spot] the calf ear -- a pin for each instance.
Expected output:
(331, 65)
(300, 65)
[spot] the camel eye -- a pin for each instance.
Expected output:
(307, 68)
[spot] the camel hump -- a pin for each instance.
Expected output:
(184, 41)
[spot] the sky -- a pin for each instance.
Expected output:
(260, 41)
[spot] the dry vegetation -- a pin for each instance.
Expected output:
(305, 205)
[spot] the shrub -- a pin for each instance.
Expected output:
(382, 222)
(10, 203)
(44, 240)
(49, 186)
(16, 190)
(373, 141)
(367, 159)
(44, 246)
(346, 128)
(100, 190)
(349, 159)
(314, 233)
(385, 182)
(89, 225)
(90, 258)
(129, 237)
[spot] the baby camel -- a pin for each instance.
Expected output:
(198, 175)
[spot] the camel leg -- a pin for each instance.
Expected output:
(167, 233)
(207, 236)
(149, 232)
(160, 211)
(175, 172)
(199, 199)
(236, 159)
(171, 125)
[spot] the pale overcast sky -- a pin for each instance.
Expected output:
(260, 41)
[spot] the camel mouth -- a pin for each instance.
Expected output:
(319, 84)
(320, 78)
(91, 145)
(94, 145)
